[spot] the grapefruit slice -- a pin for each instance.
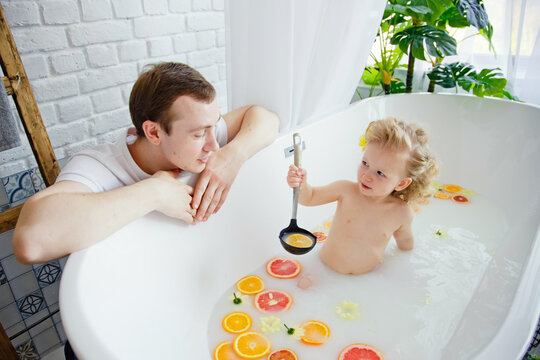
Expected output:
(360, 352)
(273, 301)
(282, 354)
(251, 345)
(249, 285)
(282, 268)
(315, 332)
(461, 199)
(225, 351)
(236, 322)
(320, 235)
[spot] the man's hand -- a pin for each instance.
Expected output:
(214, 183)
(175, 199)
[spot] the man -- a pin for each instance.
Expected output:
(178, 128)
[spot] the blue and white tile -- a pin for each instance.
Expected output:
(51, 294)
(48, 273)
(18, 187)
(23, 285)
(13, 268)
(6, 296)
(37, 180)
(4, 202)
(31, 304)
(6, 248)
(10, 316)
(46, 340)
(3, 277)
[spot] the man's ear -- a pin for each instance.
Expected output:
(152, 131)
(403, 184)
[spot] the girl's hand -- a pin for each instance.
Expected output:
(296, 177)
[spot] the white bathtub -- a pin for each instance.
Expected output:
(148, 290)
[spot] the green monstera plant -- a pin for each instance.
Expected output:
(422, 30)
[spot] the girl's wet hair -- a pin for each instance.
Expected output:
(421, 167)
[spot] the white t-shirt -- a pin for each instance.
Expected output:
(109, 166)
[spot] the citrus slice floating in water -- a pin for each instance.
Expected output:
(225, 351)
(360, 352)
(283, 268)
(461, 199)
(320, 235)
(249, 285)
(236, 322)
(282, 354)
(452, 189)
(442, 196)
(273, 301)
(251, 345)
(299, 240)
(316, 332)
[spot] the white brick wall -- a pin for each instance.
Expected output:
(82, 57)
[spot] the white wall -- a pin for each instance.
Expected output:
(83, 56)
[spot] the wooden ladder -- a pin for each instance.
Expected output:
(17, 85)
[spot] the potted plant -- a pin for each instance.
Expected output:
(421, 29)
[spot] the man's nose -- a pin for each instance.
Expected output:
(211, 143)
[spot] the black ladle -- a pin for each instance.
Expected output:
(293, 227)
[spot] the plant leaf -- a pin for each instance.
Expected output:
(448, 75)
(371, 76)
(489, 82)
(452, 17)
(474, 11)
(437, 42)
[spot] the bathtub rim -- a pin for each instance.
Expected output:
(493, 346)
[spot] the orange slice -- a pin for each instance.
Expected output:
(452, 189)
(461, 199)
(320, 235)
(251, 345)
(225, 351)
(315, 332)
(282, 354)
(249, 285)
(360, 352)
(283, 268)
(442, 196)
(299, 240)
(236, 322)
(273, 301)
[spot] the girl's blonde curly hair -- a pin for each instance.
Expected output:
(421, 167)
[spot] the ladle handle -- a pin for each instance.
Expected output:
(297, 144)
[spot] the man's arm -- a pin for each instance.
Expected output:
(67, 216)
(250, 129)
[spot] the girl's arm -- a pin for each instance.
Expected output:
(311, 195)
(404, 235)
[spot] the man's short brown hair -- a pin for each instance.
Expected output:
(158, 87)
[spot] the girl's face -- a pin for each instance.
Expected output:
(382, 171)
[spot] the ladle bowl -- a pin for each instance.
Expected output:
(293, 227)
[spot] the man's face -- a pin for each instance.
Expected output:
(191, 139)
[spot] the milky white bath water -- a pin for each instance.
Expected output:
(409, 306)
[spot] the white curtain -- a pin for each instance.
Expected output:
(299, 58)
(516, 39)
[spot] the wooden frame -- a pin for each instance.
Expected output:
(17, 85)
